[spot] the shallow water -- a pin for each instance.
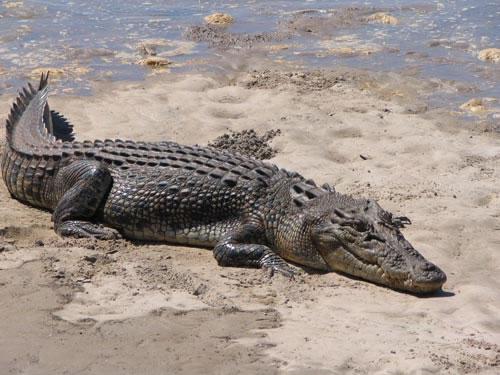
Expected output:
(100, 40)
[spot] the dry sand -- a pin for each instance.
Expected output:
(93, 307)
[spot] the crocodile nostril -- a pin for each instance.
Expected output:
(428, 267)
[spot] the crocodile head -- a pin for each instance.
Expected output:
(359, 238)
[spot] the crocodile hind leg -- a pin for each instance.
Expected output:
(241, 248)
(84, 185)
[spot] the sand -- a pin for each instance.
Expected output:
(94, 307)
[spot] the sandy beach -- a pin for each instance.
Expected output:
(118, 307)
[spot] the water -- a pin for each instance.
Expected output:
(98, 40)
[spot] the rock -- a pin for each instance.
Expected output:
(382, 17)
(221, 19)
(490, 54)
(474, 105)
(154, 61)
(12, 4)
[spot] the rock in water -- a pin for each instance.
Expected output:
(490, 54)
(220, 19)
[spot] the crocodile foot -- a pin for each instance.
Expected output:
(85, 229)
(281, 269)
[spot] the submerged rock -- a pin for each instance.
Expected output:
(348, 47)
(217, 36)
(164, 47)
(55, 73)
(350, 51)
(12, 4)
(473, 105)
(382, 17)
(154, 61)
(150, 47)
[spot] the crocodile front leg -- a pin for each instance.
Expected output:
(84, 185)
(241, 248)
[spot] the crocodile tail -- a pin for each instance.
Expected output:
(31, 123)
(62, 129)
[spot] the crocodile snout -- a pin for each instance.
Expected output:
(428, 277)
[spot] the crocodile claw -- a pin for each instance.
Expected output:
(400, 221)
(281, 269)
(83, 229)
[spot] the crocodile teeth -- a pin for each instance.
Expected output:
(380, 272)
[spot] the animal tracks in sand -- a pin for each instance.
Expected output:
(229, 95)
(228, 102)
(225, 113)
(347, 132)
(111, 298)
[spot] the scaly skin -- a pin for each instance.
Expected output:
(251, 213)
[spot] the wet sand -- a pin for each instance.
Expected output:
(93, 307)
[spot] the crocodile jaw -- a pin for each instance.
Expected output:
(421, 278)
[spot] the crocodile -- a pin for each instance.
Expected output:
(250, 212)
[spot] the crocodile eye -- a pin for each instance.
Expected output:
(358, 225)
